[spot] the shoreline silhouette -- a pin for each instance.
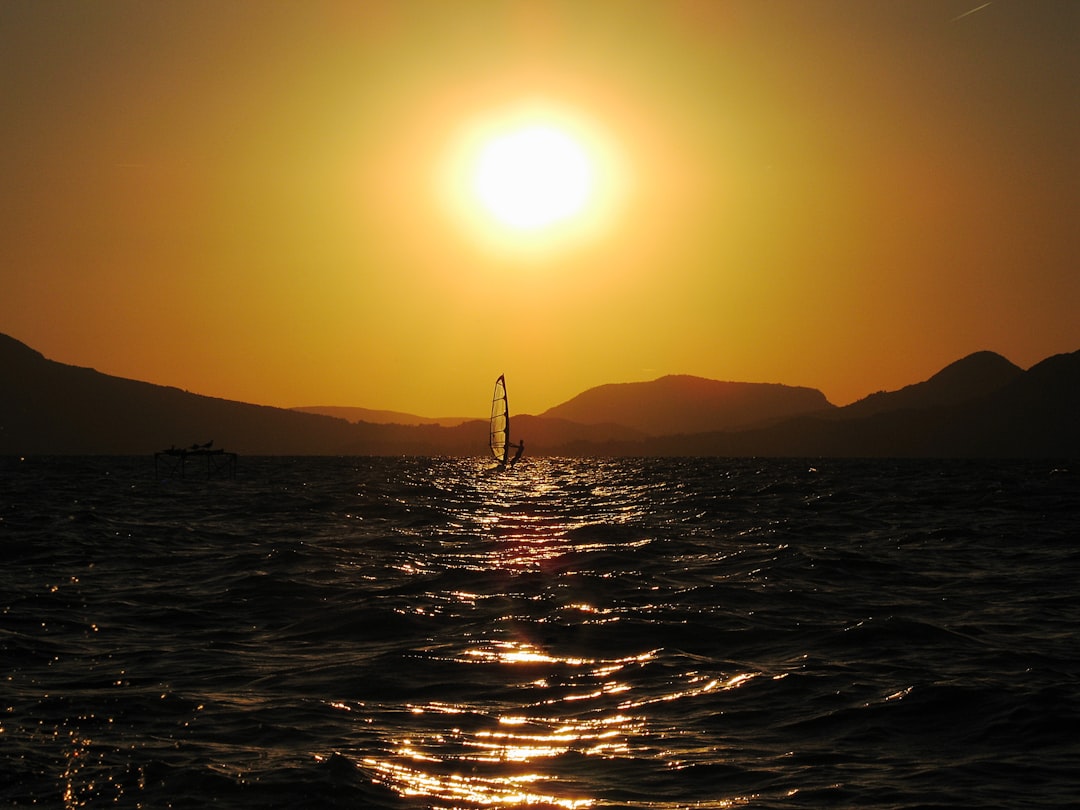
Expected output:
(979, 406)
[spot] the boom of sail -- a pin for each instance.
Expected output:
(500, 421)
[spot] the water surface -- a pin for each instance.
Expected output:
(432, 633)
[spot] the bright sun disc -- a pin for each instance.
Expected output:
(532, 178)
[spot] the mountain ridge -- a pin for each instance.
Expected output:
(381, 417)
(964, 379)
(704, 404)
(981, 405)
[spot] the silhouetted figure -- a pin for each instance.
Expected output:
(520, 450)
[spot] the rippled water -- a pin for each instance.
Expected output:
(569, 634)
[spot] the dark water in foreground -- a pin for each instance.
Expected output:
(416, 633)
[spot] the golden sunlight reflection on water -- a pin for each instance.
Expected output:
(525, 722)
(497, 763)
(508, 791)
(462, 755)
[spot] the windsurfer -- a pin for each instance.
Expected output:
(520, 450)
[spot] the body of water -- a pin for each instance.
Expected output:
(571, 633)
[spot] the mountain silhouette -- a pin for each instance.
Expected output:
(681, 404)
(980, 406)
(51, 408)
(381, 417)
(1033, 415)
(962, 381)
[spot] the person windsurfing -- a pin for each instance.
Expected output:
(520, 450)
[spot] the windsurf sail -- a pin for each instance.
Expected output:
(500, 421)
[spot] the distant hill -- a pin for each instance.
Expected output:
(1034, 415)
(980, 406)
(51, 408)
(378, 417)
(545, 431)
(681, 404)
(967, 379)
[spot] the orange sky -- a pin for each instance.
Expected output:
(262, 200)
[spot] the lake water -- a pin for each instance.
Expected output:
(572, 633)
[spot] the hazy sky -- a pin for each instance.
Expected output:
(270, 201)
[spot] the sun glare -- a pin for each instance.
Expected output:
(533, 177)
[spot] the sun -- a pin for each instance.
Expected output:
(532, 181)
(533, 177)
